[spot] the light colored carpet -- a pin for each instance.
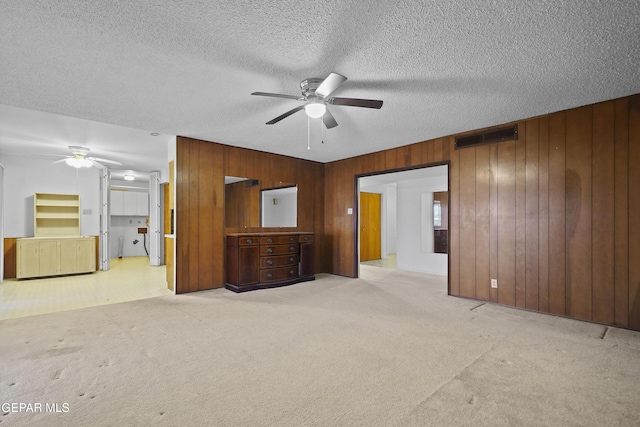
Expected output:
(388, 349)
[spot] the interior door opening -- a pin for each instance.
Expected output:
(403, 220)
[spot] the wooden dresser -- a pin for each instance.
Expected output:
(268, 260)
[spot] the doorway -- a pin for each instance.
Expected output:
(412, 219)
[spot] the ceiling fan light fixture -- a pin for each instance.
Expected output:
(78, 162)
(129, 177)
(315, 109)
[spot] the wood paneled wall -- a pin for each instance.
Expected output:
(553, 216)
(9, 258)
(200, 216)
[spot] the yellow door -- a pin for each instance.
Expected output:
(369, 226)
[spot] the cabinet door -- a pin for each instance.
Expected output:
(307, 259)
(130, 203)
(68, 258)
(248, 265)
(28, 257)
(85, 255)
(49, 258)
(142, 204)
(117, 202)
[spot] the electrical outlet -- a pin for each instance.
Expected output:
(494, 283)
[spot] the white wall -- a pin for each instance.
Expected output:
(410, 255)
(24, 176)
(127, 227)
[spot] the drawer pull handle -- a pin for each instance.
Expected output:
(292, 239)
(270, 262)
(269, 250)
(269, 276)
(249, 240)
(291, 272)
(305, 238)
(292, 259)
(269, 240)
(292, 248)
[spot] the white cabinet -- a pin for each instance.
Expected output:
(129, 203)
(142, 204)
(37, 257)
(117, 202)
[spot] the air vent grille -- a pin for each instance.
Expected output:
(498, 135)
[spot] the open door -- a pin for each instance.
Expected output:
(370, 226)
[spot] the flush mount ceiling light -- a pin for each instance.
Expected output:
(129, 177)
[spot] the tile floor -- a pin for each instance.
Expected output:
(128, 279)
(388, 262)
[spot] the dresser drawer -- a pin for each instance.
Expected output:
(276, 274)
(277, 240)
(306, 238)
(278, 261)
(248, 240)
(279, 249)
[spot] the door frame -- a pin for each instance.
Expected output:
(356, 210)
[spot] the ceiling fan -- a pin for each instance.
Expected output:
(315, 95)
(79, 158)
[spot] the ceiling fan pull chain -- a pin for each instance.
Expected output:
(321, 132)
(308, 133)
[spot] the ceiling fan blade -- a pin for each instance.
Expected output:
(330, 84)
(279, 95)
(355, 102)
(328, 120)
(113, 162)
(97, 164)
(60, 161)
(285, 115)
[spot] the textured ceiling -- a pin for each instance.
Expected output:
(188, 67)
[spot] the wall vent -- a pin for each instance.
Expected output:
(497, 135)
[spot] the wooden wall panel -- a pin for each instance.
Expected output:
(634, 212)
(507, 223)
(557, 226)
(621, 212)
(454, 224)
(205, 206)
(578, 212)
(493, 220)
(520, 217)
(543, 215)
(603, 218)
(467, 222)
(482, 223)
(9, 258)
(532, 220)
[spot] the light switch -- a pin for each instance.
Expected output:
(349, 211)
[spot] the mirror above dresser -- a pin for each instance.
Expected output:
(252, 203)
